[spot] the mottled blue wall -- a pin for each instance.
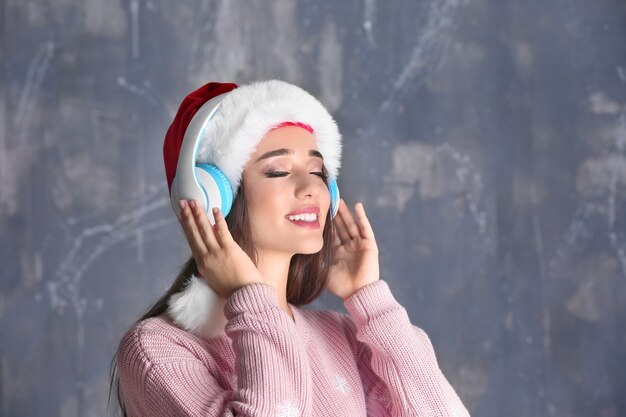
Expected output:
(486, 138)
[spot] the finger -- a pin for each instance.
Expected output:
(342, 230)
(221, 228)
(351, 226)
(191, 232)
(335, 233)
(364, 224)
(204, 227)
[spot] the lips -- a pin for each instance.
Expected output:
(311, 208)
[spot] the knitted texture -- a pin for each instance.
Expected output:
(371, 362)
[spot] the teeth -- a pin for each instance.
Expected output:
(308, 217)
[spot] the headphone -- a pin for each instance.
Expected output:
(206, 183)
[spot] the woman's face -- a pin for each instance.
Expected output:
(298, 183)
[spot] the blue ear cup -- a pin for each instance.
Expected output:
(216, 188)
(334, 197)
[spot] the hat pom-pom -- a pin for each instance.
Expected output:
(198, 309)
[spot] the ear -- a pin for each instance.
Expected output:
(198, 309)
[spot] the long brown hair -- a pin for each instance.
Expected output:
(306, 280)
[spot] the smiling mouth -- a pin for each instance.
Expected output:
(306, 224)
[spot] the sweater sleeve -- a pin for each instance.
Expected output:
(396, 360)
(273, 376)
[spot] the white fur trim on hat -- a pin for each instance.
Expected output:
(249, 111)
(198, 309)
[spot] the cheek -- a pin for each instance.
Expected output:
(326, 197)
(266, 201)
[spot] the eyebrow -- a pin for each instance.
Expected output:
(283, 151)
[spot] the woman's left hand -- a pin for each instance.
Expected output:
(355, 253)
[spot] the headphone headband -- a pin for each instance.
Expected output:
(186, 185)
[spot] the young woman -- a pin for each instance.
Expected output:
(230, 337)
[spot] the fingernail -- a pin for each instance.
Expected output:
(181, 203)
(214, 210)
(192, 203)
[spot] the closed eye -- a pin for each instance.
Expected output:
(274, 174)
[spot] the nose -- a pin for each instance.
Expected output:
(308, 184)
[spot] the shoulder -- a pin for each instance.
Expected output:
(158, 361)
(155, 341)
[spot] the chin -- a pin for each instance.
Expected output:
(311, 249)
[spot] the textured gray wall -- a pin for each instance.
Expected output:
(486, 138)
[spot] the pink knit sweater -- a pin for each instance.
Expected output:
(372, 362)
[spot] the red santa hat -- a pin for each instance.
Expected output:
(245, 115)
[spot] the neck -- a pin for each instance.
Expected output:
(274, 268)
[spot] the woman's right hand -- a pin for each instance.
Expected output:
(220, 260)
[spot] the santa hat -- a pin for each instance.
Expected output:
(245, 114)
